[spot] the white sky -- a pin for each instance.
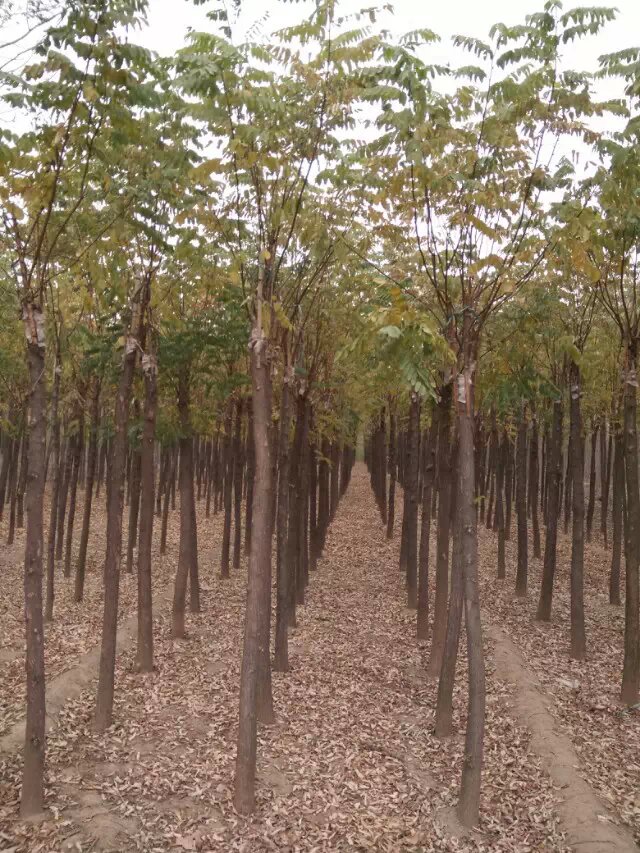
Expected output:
(169, 20)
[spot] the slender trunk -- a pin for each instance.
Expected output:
(313, 504)
(295, 582)
(578, 638)
(617, 511)
(134, 494)
(446, 681)
(425, 530)
(508, 488)
(88, 493)
(251, 464)
(469, 802)
(78, 446)
(32, 795)
(323, 495)
(631, 665)
(592, 480)
(442, 534)
(238, 472)
(281, 655)
(258, 609)
(22, 482)
(173, 456)
(534, 475)
(13, 488)
(568, 486)
(554, 482)
(391, 502)
(63, 495)
(412, 503)
(55, 490)
(144, 654)
(605, 479)
(104, 701)
(228, 463)
(521, 505)
(500, 469)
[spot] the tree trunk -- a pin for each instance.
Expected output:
(134, 494)
(144, 654)
(508, 488)
(251, 464)
(446, 682)
(228, 462)
(425, 530)
(78, 446)
(32, 795)
(283, 569)
(605, 478)
(63, 495)
(442, 534)
(187, 550)
(391, 503)
(521, 506)
(55, 491)
(173, 456)
(469, 802)
(500, 469)
(592, 480)
(554, 482)
(238, 472)
(617, 512)
(88, 492)
(104, 701)
(258, 609)
(631, 665)
(534, 476)
(578, 638)
(568, 486)
(411, 490)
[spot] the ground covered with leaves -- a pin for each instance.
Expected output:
(351, 762)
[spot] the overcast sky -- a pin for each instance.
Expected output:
(169, 20)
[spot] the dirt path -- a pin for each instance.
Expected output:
(351, 762)
(585, 817)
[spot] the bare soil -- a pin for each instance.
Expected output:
(351, 762)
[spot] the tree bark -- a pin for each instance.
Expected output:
(144, 655)
(592, 480)
(104, 700)
(187, 550)
(238, 477)
(617, 513)
(578, 637)
(134, 493)
(78, 446)
(32, 794)
(631, 665)
(442, 534)
(521, 506)
(55, 491)
(411, 490)
(258, 609)
(534, 476)
(281, 655)
(469, 802)
(391, 502)
(425, 530)
(554, 482)
(500, 469)
(228, 462)
(88, 492)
